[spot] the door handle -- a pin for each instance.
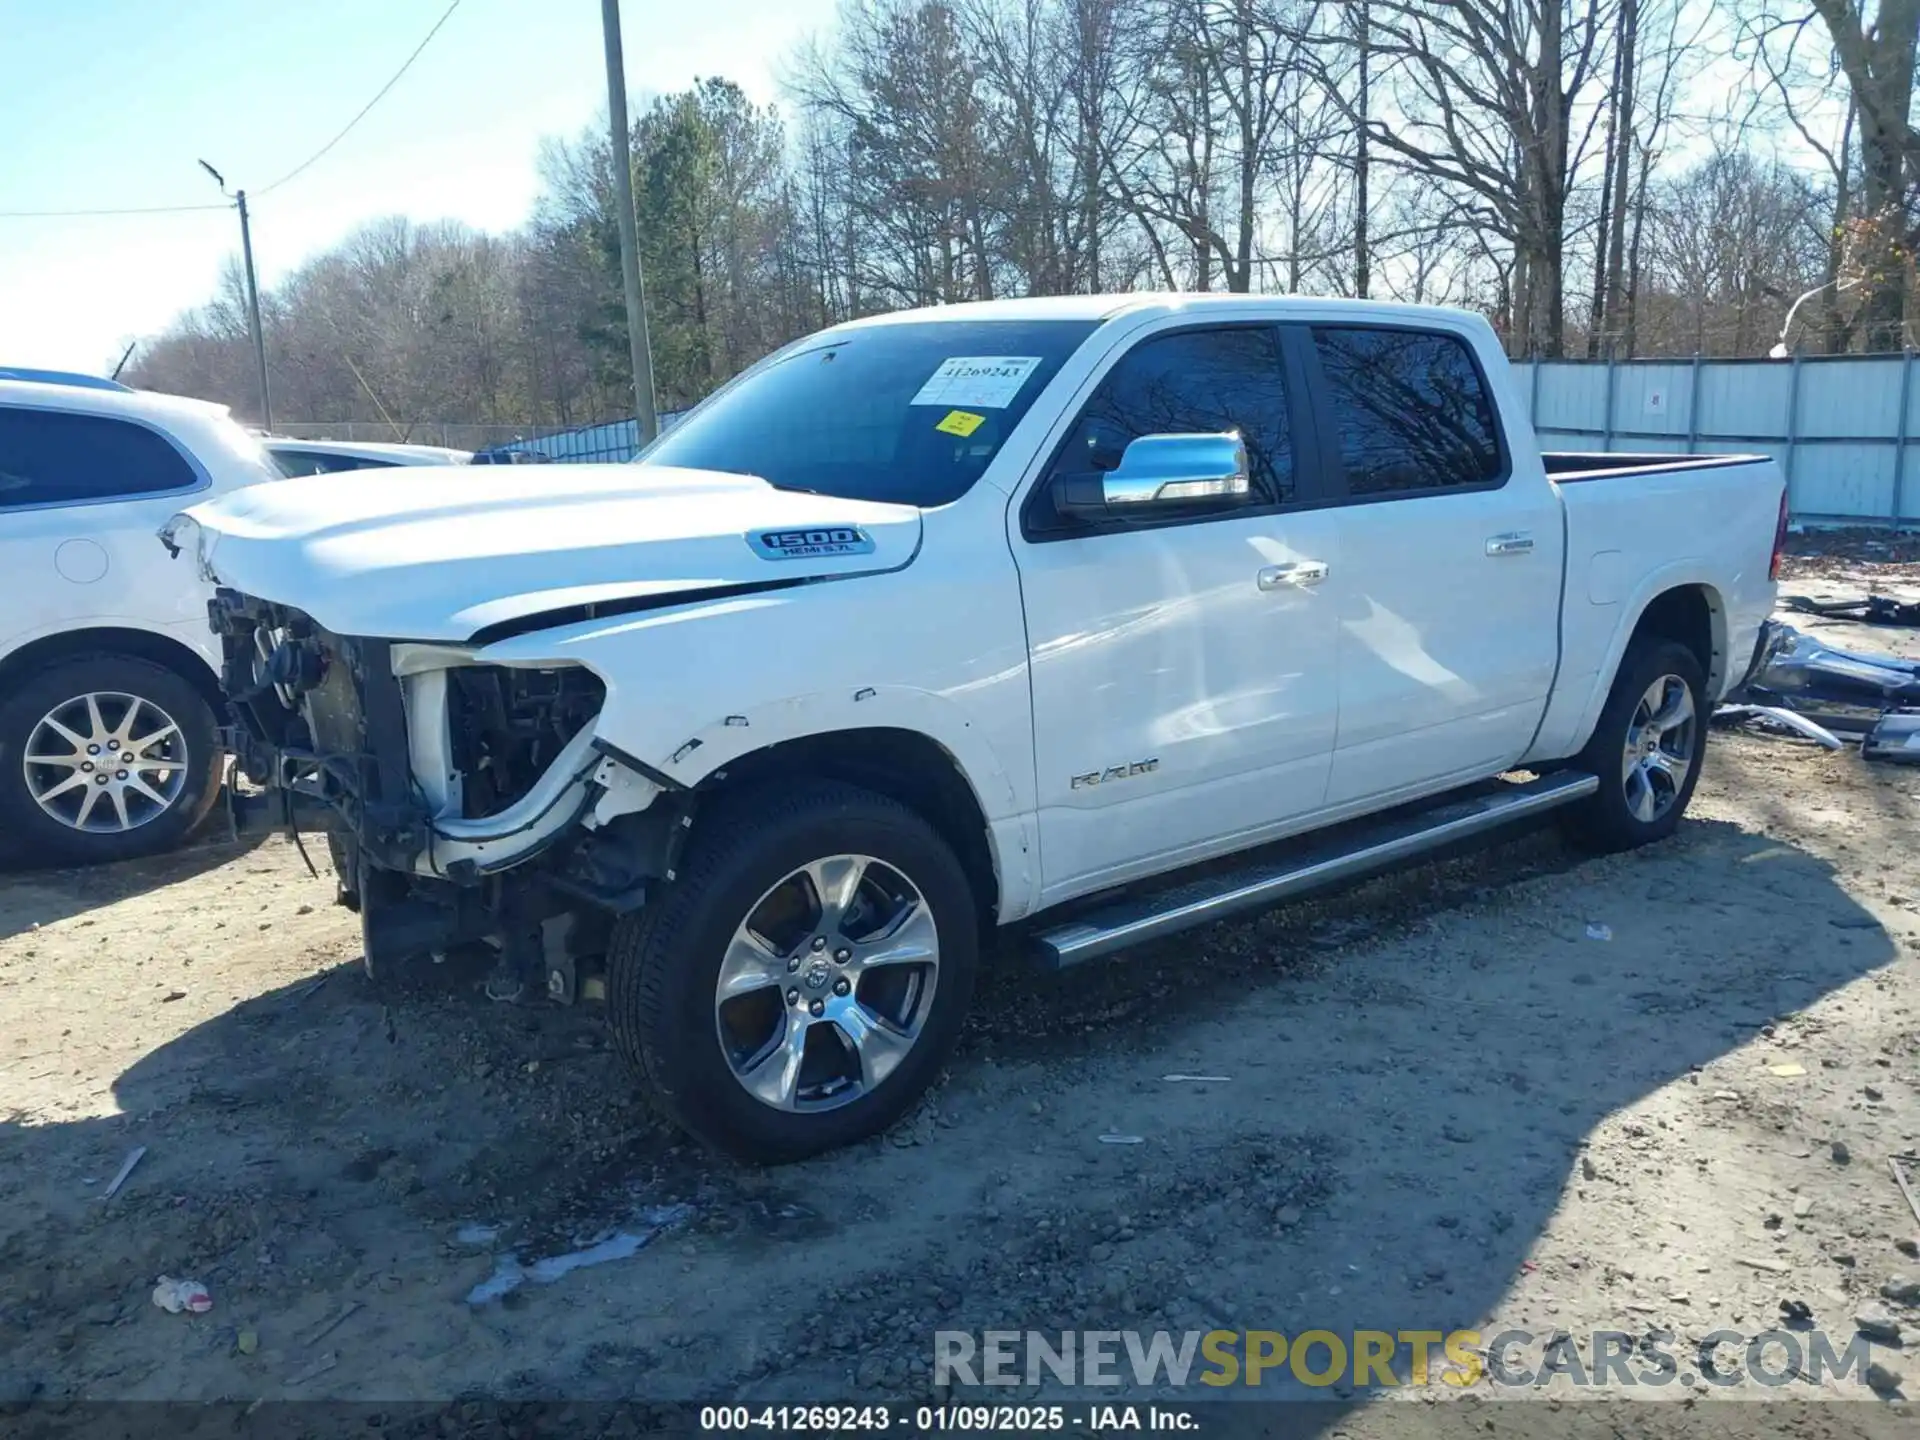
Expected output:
(1301, 573)
(1514, 542)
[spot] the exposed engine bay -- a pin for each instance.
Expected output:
(462, 802)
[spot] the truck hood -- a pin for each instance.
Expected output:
(441, 554)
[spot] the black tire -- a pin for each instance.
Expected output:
(1606, 821)
(35, 835)
(664, 963)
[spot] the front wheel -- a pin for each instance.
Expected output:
(800, 984)
(105, 757)
(1647, 749)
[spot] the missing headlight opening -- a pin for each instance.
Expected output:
(462, 802)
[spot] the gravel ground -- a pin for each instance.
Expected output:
(1517, 1089)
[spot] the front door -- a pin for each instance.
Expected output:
(1182, 668)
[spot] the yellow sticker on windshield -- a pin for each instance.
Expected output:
(961, 422)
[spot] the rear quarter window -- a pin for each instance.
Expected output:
(1411, 410)
(52, 457)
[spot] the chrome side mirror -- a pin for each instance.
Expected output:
(1160, 472)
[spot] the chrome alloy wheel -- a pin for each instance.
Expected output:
(1661, 745)
(105, 762)
(827, 984)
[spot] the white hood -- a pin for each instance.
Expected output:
(438, 554)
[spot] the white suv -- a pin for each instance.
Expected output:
(109, 687)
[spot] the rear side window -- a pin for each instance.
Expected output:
(1411, 410)
(50, 457)
(1193, 382)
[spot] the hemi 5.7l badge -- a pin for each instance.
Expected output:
(805, 544)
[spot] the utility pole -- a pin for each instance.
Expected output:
(638, 344)
(253, 298)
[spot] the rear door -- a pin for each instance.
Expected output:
(1449, 594)
(1182, 694)
(81, 499)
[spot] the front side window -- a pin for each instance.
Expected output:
(911, 413)
(53, 457)
(1411, 410)
(1193, 382)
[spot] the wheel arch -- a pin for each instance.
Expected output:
(1674, 605)
(107, 640)
(904, 765)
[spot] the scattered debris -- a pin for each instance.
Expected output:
(1802, 1208)
(134, 1157)
(307, 989)
(247, 1341)
(1597, 931)
(1902, 1290)
(1178, 1079)
(1794, 1312)
(1906, 1191)
(319, 1367)
(1780, 715)
(1882, 1379)
(477, 1234)
(509, 1274)
(1867, 610)
(1877, 1324)
(1895, 738)
(1774, 1267)
(327, 1327)
(173, 995)
(174, 1296)
(1789, 1071)
(1123, 1140)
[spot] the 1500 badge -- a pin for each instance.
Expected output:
(1115, 772)
(806, 544)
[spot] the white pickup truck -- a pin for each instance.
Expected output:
(1071, 614)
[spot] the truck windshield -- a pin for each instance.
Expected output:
(909, 413)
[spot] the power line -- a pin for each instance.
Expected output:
(297, 170)
(137, 210)
(318, 154)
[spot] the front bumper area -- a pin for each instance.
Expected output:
(461, 800)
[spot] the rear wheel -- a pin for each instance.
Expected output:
(800, 984)
(105, 757)
(1647, 749)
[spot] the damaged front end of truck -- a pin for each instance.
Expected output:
(464, 803)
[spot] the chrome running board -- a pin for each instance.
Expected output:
(1368, 846)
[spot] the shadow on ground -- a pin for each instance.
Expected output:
(1416, 1066)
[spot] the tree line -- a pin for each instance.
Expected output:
(1581, 171)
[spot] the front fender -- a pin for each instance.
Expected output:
(694, 688)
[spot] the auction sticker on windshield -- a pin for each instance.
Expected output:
(988, 381)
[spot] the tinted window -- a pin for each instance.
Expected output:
(1190, 383)
(313, 462)
(51, 457)
(1410, 408)
(910, 413)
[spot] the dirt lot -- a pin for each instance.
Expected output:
(1514, 1090)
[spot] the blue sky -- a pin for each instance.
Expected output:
(109, 103)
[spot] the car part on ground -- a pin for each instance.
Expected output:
(1865, 610)
(105, 757)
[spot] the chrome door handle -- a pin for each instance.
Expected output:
(1300, 573)
(1514, 542)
